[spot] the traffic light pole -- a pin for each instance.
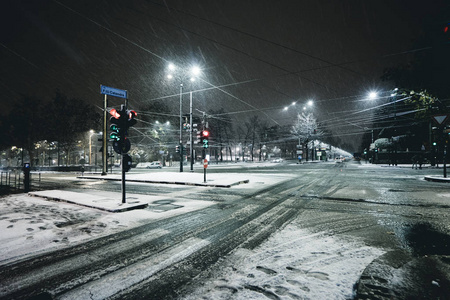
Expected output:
(104, 139)
(124, 198)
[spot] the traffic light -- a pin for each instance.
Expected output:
(120, 122)
(204, 136)
(131, 121)
(114, 122)
(177, 149)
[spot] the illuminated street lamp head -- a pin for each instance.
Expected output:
(373, 95)
(195, 71)
(169, 76)
(394, 93)
(310, 103)
(171, 67)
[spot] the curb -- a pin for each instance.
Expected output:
(437, 179)
(169, 182)
(113, 210)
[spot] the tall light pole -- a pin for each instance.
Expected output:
(182, 75)
(172, 70)
(181, 128)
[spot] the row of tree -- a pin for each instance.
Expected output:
(253, 136)
(61, 120)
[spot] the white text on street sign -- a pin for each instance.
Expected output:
(106, 90)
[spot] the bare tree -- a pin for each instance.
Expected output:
(252, 132)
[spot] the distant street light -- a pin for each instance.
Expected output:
(309, 103)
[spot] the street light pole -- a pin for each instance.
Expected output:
(195, 72)
(190, 133)
(181, 127)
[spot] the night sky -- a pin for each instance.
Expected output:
(256, 56)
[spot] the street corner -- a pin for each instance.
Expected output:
(111, 202)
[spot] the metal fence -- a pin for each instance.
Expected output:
(12, 181)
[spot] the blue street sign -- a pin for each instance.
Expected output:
(106, 90)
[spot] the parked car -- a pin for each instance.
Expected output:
(154, 165)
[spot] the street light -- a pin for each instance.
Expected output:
(182, 76)
(308, 104)
(373, 95)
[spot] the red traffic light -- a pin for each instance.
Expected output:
(205, 133)
(131, 114)
(131, 121)
(113, 112)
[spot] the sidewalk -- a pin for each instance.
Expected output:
(433, 178)
(186, 178)
(107, 201)
(112, 201)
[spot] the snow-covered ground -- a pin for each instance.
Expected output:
(32, 224)
(292, 264)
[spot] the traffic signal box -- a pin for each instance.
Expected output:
(204, 138)
(120, 122)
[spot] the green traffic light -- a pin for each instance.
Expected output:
(114, 127)
(115, 136)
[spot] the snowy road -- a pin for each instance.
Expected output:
(307, 236)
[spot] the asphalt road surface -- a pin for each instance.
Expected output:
(390, 208)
